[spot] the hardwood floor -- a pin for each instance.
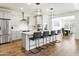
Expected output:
(67, 47)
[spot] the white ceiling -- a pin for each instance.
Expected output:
(59, 8)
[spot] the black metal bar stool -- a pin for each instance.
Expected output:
(45, 35)
(58, 32)
(36, 36)
(49, 38)
(63, 32)
(53, 35)
(40, 47)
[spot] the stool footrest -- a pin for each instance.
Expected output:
(34, 51)
(49, 44)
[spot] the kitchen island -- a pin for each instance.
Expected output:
(27, 35)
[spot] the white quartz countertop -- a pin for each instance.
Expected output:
(66, 29)
(27, 33)
(30, 32)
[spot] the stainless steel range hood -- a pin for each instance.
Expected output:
(23, 17)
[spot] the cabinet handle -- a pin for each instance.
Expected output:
(0, 28)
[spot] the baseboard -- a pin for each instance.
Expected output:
(16, 40)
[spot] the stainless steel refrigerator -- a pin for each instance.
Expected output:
(4, 30)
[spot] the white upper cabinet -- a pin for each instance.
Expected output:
(4, 13)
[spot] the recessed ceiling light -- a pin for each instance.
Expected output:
(28, 3)
(21, 9)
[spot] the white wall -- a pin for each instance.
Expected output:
(77, 26)
(19, 25)
(76, 22)
(56, 24)
(16, 21)
(51, 22)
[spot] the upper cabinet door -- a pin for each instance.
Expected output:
(5, 14)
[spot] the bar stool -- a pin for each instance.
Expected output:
(58, 32)
(36, 36)
(63, 32)
(45, 35)
(50, 34)
(53, 34)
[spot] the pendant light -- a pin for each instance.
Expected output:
(38, 18)
(50, 18)
(37, 3)
(51, 12)
(38, 10)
